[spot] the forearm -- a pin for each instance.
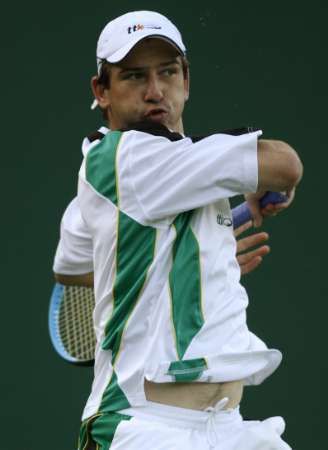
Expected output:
(75, 280)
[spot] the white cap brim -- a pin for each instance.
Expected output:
(122, 52)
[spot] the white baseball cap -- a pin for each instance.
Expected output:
(121, 34)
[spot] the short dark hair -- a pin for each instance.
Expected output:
(104, 76)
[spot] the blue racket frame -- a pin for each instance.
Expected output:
(55, 302)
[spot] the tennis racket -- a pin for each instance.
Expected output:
(70, 323)
(71, 307)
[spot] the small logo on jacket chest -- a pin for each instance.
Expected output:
(223, 220)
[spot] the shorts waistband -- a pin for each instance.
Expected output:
(182, 417)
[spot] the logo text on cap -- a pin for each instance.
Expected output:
(140, 27)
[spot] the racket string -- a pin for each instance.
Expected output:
(75, 322)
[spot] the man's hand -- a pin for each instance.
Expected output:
(270, 209)
(248, 259)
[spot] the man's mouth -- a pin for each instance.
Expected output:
(156, 115)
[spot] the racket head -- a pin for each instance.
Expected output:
(71, 325)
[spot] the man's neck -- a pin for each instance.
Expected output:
(178, 128)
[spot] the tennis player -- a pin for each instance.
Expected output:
(173, 348)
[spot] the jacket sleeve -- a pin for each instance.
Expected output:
(159, 178)
(74, 251)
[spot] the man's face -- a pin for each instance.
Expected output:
(148, 84)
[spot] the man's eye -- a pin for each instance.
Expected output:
(169, 71)
(133, 76)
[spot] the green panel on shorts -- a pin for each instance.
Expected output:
(188, 370)
(113, 398)
(134, 255)
(104, 427)
(101, 166)
(83, 436)
(85, 442)
(97, 433)
(185, 284)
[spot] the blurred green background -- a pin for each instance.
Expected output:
(252, 63)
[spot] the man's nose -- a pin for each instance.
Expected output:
(154, 90)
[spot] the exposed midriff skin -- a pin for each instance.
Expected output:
(197, 396)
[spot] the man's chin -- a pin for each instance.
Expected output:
(149, 121)
(157, 121)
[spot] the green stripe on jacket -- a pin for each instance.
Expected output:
(185, 284)
(135, 249)
(101, 166)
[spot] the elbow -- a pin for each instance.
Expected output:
(280, 168)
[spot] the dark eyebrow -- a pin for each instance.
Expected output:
(169, 63)
(132, 69)
(140, 69)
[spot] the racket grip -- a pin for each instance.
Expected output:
(241, 214)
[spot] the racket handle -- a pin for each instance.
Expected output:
(241, 214)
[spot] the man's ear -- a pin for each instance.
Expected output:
(100, 93)
(187, 85)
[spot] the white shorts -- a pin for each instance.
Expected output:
(161, 427)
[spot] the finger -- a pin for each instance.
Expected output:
(251, 241)
(255, 210)
(269, 213)
(274, 208)
(247, 257)
(269, 209)
(243, 228)
(252, 265)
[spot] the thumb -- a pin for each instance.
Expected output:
(255, 210)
